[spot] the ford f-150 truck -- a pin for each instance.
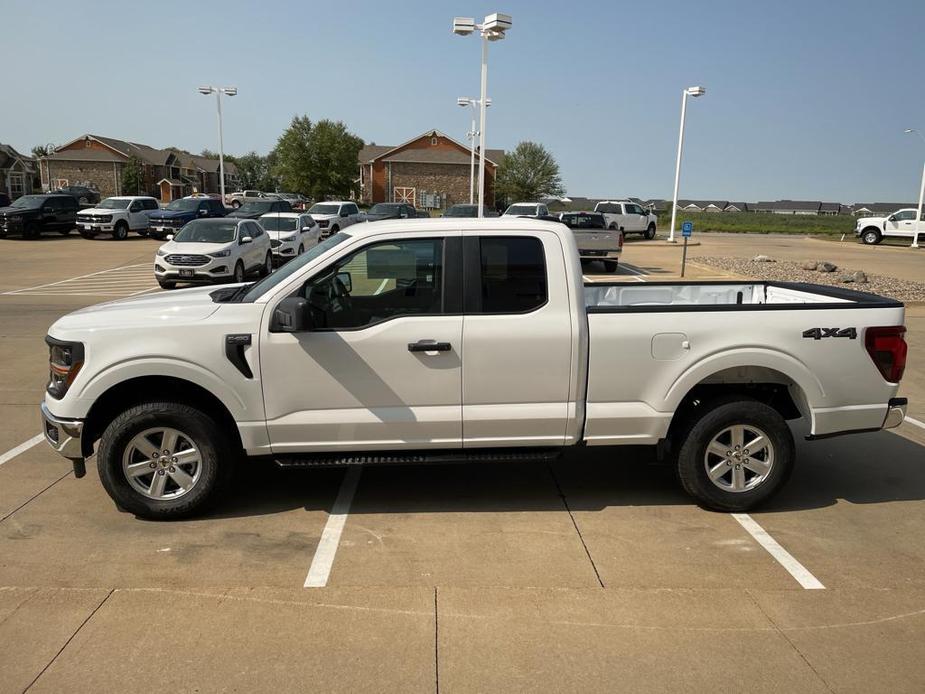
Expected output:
(418, 341)
(872, 230)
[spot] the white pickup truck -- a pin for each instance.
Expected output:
(628, 217)
(353, 353)
(872, 230)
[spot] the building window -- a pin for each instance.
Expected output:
(17, 185)
(433, 141)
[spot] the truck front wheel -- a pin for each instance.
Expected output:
(120, 231)
(735, 454)
(163, 460)
(871, 236)
(650, 232)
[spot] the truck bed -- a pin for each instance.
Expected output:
(651, 344)
(726, 295)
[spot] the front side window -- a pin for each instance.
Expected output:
(379, 282)
(513, 271)
(905, 215)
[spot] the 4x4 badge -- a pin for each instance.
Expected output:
(819, 333)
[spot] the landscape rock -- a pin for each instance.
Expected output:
(846, 278)
(860, 276)
(826, 266)
(810, 265)
(763, 259)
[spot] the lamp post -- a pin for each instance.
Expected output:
(918, 214)
(218, 91)
(471, 135)
(689, 91)
(493, 28)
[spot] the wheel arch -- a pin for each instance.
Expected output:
(153, 388)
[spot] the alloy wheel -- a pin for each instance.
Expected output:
(162, 463)
(739, 458)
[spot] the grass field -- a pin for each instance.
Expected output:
(763, 223)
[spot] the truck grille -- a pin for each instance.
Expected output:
(95, 218)
(166, 222)
(187, 260)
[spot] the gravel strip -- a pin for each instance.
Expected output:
(785, 271)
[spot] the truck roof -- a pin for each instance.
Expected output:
(463, 224)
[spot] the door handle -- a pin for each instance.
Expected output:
(429, 346)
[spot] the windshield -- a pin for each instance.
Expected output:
(279, 223)
(521, 209)
(324, 209)
(206, 231)
(384, 208)
(462, 211)
(251, 207)
(260, 288)
(28, 202)
(184, 205)
(114, 204)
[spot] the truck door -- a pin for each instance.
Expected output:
(517, 340)
(381, 367)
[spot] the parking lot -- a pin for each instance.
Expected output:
(593, 573)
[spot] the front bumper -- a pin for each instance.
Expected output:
(95, 226)
(285, 251)
(64, 435)
(161, 230)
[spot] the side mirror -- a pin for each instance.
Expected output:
(292, 315)
(170, 237)
(345, 279)
(306, 228)
(891, 218)
(246, 239)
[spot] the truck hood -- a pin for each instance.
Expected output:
(870, 221)
(161, 309)
(324, 217)
(14, 211)
(171, 214)
(100, 210)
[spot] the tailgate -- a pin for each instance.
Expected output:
(597, 240)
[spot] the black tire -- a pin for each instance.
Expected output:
(217, 459)
(142, 232)
(650, 232)
(335, 229)
(235, 204)
(31, 231)
(301, 249)
(613, 227)
(709, 421)
(65, 232)
(239, 274)
(267, 266)
(610, 265)
(166, 284)
(871, 236)
(87, 234)
(120, 231)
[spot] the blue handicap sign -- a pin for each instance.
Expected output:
(687, 228)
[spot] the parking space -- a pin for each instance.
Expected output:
(580, 574)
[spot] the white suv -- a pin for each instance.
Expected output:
(335, 215)
(290, 233)
(225, 249)
(117, 216)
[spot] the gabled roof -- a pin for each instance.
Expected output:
(9, 156)
(741, 206)
(125, 149)
(804, 205)
(371, 153)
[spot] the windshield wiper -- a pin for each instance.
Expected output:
(227, 295)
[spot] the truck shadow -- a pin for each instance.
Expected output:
(860, 469)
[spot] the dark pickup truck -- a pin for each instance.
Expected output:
(175, 216)
(30, 215)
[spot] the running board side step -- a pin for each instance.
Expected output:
(477, 455)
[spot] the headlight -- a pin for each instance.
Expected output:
(220, 254)
(288, 237)
(64, 360)
(161, 252)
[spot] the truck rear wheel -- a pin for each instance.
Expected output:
(735, 454)
(163, 460)
(610, 265)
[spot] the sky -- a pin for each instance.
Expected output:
(805, 100)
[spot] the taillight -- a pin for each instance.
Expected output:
(887, 348)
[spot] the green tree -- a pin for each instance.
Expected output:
(39, 151)
(254, 171)
(133, 177)
(529, 172)
(317, 160)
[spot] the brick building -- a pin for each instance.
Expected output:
(99, 162)
(429, 171)
(17, 172)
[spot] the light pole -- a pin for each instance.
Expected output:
(918, 214)
(493, 28)
(218, 91)
(471, 135)
(690, 91)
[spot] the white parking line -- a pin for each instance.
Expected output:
(127, 280)
(920, 425)
(330, 537)
(783, 557)
(21, 448)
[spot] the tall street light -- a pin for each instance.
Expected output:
(690, 91)
(493, 28)
(218, 91)
(471, 135)
(918, 215)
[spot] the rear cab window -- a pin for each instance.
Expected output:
(512, 272)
